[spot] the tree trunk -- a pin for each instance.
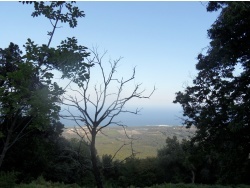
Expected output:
(3, 153)
(6, 144)
(96, 170)
(193, 176)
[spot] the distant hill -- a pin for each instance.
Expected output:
(146, 140)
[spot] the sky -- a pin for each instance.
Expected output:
(161, 39)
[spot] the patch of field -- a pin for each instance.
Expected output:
(144, 140)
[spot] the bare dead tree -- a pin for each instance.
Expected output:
(107, 105)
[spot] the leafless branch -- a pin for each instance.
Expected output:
(119, 149)
(107, 105)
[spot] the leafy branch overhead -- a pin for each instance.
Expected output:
(68, 57)
(29, 100)
(53, 11)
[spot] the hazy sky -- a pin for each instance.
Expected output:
(162, 39)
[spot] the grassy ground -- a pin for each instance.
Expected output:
(41, 183)
(197, 186)
(59, 185)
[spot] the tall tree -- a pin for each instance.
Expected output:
(28, 97)
(107, 105)
(218, 102)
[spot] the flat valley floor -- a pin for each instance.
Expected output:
(145, 140)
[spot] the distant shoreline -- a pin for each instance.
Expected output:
(71, 126)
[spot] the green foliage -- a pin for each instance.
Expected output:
(8, 179)
(25, 101)
(61, 185)
(36, 150)
(53, 11)
(70, 163)
(67, 58)
(174, 159)
(40, 182)
(29, 100)
(181, 185)
(131, 172)
(59, 160)
(218, 102)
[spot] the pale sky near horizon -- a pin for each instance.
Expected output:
(162, 39)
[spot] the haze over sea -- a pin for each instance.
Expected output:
(149, 116)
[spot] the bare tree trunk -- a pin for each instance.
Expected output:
(106, 111)
(4, 151)
(193, 176)
(96, 170)
(6, 145)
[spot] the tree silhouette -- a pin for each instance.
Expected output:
(107, 105)
(219, 100)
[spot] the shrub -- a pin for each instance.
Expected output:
(8, 179)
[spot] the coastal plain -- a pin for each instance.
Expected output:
(142, 141)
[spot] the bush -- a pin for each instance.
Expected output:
(40, 182)
(8, 179)
(182, 185)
